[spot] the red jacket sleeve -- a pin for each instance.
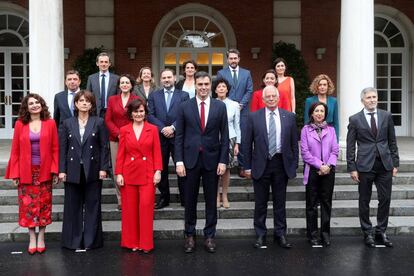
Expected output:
(13, 168)
(54, 168)
(156, 151)
(255, 105)
(110, 125)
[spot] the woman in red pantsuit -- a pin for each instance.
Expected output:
(33, 166)
(138, 171)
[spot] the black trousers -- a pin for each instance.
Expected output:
(274, 176)
(383, 181)
(192, 185)
(319, 189)
(167, 150)
(82, 221)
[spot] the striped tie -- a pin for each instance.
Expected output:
(272, 135)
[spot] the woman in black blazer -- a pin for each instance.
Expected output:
(84, 161)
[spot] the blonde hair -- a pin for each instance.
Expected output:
(315, 83)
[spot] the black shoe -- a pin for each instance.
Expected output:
(210, 245)
(189, 244)
(383, 239)
(260, 243)
(282, 242)
(369, 241)
(161, 204)
(314, 242)
(326, 239)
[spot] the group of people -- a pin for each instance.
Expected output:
(130, 128)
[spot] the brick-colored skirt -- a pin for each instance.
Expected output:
(35, 202)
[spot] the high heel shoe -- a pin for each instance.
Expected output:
(32, 251)
(41, 250)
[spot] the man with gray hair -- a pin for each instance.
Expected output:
(376, 161)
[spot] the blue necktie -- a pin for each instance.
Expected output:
(235, 77)
(72, 105)
(103, 91)
(272, 135)
(169, 99)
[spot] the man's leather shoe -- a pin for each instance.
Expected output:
(282, 242)
(369, 241)
(326, 239)
(314, 242)
(161, 204)
(210, 245)
(383, 238)
(189, 245)
(260, 243)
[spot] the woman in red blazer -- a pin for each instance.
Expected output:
(116, 117)
(33, 166)
(269, 78)
(138, 171)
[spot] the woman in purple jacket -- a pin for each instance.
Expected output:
(319, 149)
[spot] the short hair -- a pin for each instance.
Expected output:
(90, 97)
(270, 71)
(202, 74)
(267, 88)
(167, 69)
(233, 51)
(366, 90)
(103, 54)
(312, 109)
(134, 105)
(191, 62)
(216, 82)
(24, 114)
(72, 72)
(139, 79)
(315, 83)
(131, 80)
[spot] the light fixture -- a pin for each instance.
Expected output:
(320, 52)
(255, 52)
(132, 51)
(66, 52)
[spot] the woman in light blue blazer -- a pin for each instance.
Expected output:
(322, 86)
(221, 89)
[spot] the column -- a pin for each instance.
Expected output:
(46, 48)
(356, 59)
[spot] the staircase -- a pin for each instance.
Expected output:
(236, 221)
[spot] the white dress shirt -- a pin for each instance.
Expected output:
(233, 116)
(368, 117)
(278, 127)
(71, 96)
(206, 108)
(232, 72)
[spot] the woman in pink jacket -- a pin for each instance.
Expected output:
(319, 149)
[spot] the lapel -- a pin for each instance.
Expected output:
(163, 103)
(380, 117)
(110, 83)
(262, 124)
(315, 135)
(143, 136)
(283, 125)
(365, 123)
(194, 110)
(64, 100)
(174, 98)
(210, 113)
(74, 126)
(88, 128)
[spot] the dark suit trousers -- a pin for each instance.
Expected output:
(319, 189)
(82, 222)
(244, 116)
(167, 150)
(383, 182)
(192, 186)
(274, 176)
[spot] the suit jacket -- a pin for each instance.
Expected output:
(256, 144)
(316, 150)
(93, 151)
(359, 132)
(116, 116)
(93, 85)
(242, 92)
(189, 138)
(157, 108)
(20, 161)
(140, 92)
(332, 118)
(137, 160)
(61, 108)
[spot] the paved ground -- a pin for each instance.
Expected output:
(346, 256)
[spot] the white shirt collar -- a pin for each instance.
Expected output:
(237, 69)
(106, 73)
(206, 101)
(276, 111)
(366, 111)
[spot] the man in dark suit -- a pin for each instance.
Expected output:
(63, 102)
(376, 161)
(103, 83)
(241, 91)
(271, 158)
(163, 105)
(201, 151)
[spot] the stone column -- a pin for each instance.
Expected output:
(46, 48)
(356, 59)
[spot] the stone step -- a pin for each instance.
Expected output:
(340, 179)
(294, 209)
(226, 228)
(341, 192)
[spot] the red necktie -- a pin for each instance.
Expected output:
(202, 116)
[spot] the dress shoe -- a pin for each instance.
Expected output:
(369, 241)
(161, 204)
(314, 242)
(210, 245)
(326, 239)
(119, 207)
(41, 250)
(260, 243)
(32, 251)
(383, 238)
(242, 174)
(282, 242)
(189, 244)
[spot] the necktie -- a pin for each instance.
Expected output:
(234, 77)
(103, 91)
(272, 135)
(202, 116)
(373, 124)
(169, 99)
(72, 105)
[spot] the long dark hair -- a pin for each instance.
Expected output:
(24, 114)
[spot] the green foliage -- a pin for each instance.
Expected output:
(297, 69)
(85, 64)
